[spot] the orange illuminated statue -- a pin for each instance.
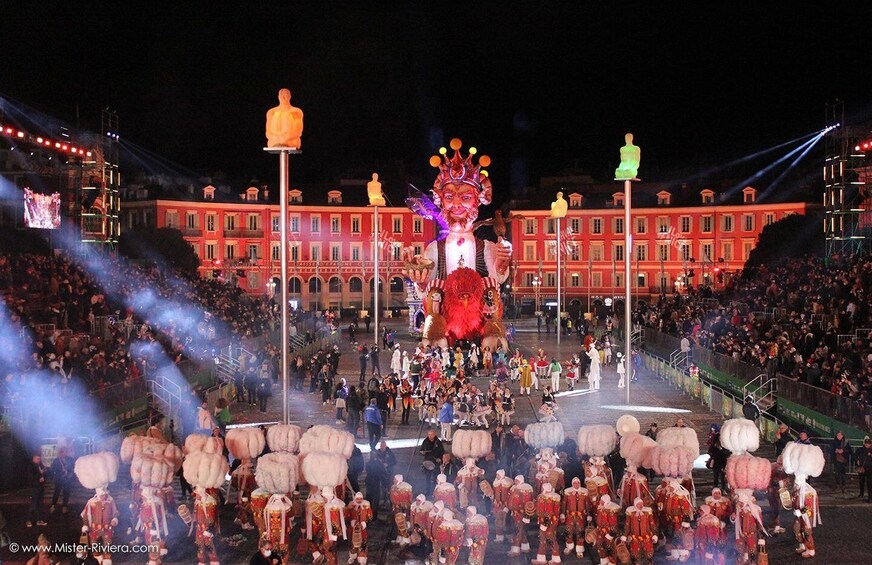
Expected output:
(457, 257)
(284, 123)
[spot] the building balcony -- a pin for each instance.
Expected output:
(253, 234)
(188, 232)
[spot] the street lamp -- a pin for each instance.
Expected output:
(537, 283)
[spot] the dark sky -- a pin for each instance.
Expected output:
(537, 85)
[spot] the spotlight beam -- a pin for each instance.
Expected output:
(745, 182)
(790, 167)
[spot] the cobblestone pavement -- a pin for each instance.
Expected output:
(652, 400)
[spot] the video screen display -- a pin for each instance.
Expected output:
(42, 211)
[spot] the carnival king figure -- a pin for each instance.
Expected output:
(501, 489)
(640, 531)
(467, 482)
(803, 461)
(520, 496)
(548, 516)
(359, 514)
(477, 532)
(205, 472)
(401, 503)
(100, 515)
(576, 509)
(458, 257)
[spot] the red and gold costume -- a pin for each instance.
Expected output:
(259, 498)
(597, 467)
(606, 520)
(710, 536)
(310, 543)
(501, 487)
(635, 485)
(359, 513)
(334, 525)
(445, 492)
(434, 521)
(153, 524)
(100, 517)
(806, 516)
(548, 517)
(477, 533)
(640, 529)
(673, 506)
(749, 525)
(720, 505)
(401, 503)
(449, 535)
(779, 483)
(520, 495)
(243, 481)
(420, 511)
(206, 517)
(576, 509)
(277, 517)
(467, 482)
(597, 487)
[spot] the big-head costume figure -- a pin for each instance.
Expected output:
(471, 269)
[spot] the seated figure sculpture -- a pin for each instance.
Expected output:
(284, 123)
(630, 158)
(559, 207)
(374, 191)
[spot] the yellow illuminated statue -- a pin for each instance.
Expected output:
(374, 191)
(631, 155)
(559, 207)
(284, 123)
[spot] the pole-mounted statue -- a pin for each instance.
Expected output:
(468, 270)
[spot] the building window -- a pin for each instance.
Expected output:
(335, 253)
(748, 222)
(747, 247)
(706, 224)
(550, 226)
(596, 252)
(230, 251)
(355, 224)
(417, 225)
(529, 227)
(575, 225)
(316, 224)
(210, 222)
(550, 279)
(295, 253)
(396, 251)
(334, 224)
(685, 251)
(708, 196)
(275, 221)
(618, 198)
(641, 225)
(208, 193)
(663, 252)
(355, 285)
(640, 280)
(727, 223)
(229, 222)
(295, 224)
(253, 251)
(334, 285)
(398, 224)
(597, 280)
(334, 197)
(662, 224)
(596, 226)
(191, 220)
(663, 198)
(316, 252)
(619, 225)
(417, 249)
(295, 196)
(575, 200)
(641, 252)
(528, 279)
(618, 279)
(211, 251)
(574, 253)
(727, 251)
(276, 252)
(529, 252)
(172, 219)
(749, 195)
(576, 280)
(619, 253)
(685, 224)
(706, 249)
(768, 218)
(355, 252)
(253, 222)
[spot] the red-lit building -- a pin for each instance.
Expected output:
(698, 238)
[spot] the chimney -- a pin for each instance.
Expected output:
(265, 188)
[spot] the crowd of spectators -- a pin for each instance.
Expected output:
(807, 319)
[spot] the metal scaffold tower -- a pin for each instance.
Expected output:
(100, 187)
(847, 224)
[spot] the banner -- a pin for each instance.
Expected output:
(42, 211)
(817, 423)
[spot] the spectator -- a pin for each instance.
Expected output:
(35, 481)
(863, 457)
(750, 410)
(363, 357)
(353, 407)
(376, 476)
(782, 437)
(264, 555)
(204, 419)
(718, 463)
(251, 386)
(388, 460)
(432, 451)
(222, 414)
(340, 396)
(652, 431)
(355, 468)
(373, 360)
(382, 398)
(62, 473)
(446, 419)
(841, 451)
(239, 385)
(264, 391)
(374, 423)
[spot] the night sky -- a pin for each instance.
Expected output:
(539, 86)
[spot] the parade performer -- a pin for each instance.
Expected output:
(445, 492)
(520, 495)
(779, 495)
(359, 513)
(477, 532)
(100, 515)
(672, 498)
(720, 505)
(152, 474)
(548, 516)
(710, 537)
(434, 520)
(244, 444)
(334, 525)
(401, 502)
(205, 472)
(681, 544)
(450, 536)
(748, 519)
(597, 441)
(576, 509)
(526, 372)
(271, 503)
(324, 452)
(467, 481)
(420, 511)
(803, 461)
(635, 448)
(501, 489)
(542, 368)
(606, 520)
(640, 531)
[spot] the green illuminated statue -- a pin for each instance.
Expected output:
(630, 157)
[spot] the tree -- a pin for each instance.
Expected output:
(164, 247)
(790, 237)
